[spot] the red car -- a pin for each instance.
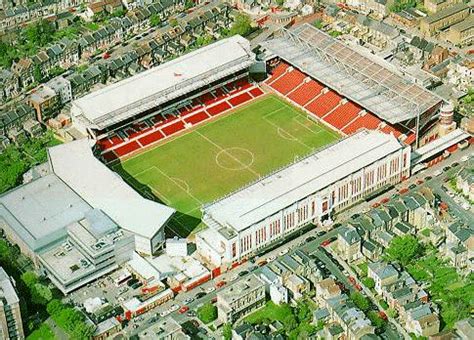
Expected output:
(220, 284)
(352, 280)
(183, 309)
(404, 190)
(325, 243)
(376, 205)
(420, 181)
(385, 200)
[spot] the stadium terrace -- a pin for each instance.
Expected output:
(302, 193)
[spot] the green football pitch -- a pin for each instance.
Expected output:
(218, 157)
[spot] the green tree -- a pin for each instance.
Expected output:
(318, 23)
(303, 313)
(189, 4)
(37, 74)
(4, 251)
(173, 22)
(29, 278)
(376, 319)
(368, 282)
(227, 331)
(290, 322)
(155, 20)
(360, 301)
(54, 307)
(392, 313)
(404, 249)
(242, 25)
(41, 294)
(207, 313)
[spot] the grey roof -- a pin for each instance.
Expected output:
(445, 13)
(40, 211)
(349, 234)
(383, 270)
(7, 290)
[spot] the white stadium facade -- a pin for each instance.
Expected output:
(304, 192)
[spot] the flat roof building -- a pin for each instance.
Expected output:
(11, 326)
(304, 192)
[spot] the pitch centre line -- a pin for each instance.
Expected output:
(244, 166)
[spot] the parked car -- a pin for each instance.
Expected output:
(243, 273)
(191, 313)
(199, 295)
(221, 284)
(210, 289)
(188, 300)
(412, 186)
(183, 309)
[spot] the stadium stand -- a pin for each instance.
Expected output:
(144, 133)
(327, 105)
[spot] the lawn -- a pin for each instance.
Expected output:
(221, 156)
(271, 312)
(453, 293)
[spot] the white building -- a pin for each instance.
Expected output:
(176, 247)
(304, 192)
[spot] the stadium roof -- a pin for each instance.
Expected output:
(40, 211)
(359, 76)
(160, 84)
(103, 189)
(281, 189)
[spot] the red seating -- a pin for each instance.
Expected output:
(173, 128)
(256, 92)
(127, 148)
(288, 81)
(240, 99)
(216, 109)
(306, 92)
(324, 103)
(368, 121)
(277, 71)
(109, 156)
(206, 98)
(151, 138)
(389, 129)
(341, 116)
(196, 118)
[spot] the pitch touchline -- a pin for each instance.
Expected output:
(244, 166)
(289, 134)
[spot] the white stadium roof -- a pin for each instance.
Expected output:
(160, 84)
(365, 79)
(281, 189)
(103, 189)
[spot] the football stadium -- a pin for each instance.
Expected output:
(211, 124)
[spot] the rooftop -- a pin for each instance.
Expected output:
(103, 189)
(270, 194)
(160, 84)
(365, 79)
(445, 13)
(40, 211)
(7, 291)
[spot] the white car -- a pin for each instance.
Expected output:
(464, 158)
(164, 313)
(271, 259)
(283, 252)
(210, 289)
(233, 278)
(188, 300)
(173, 308)
(437, 173)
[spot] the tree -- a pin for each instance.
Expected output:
(188, 4)
(29, 278)
(318, 24)
(37, 74)
(207, 313)
(242, 25)
(392, 313)
(41, 294)
(404, 249)
(173, 22)
(227, 331)
(4, 250)
(155, 20)
(368, 282)
(303, 313)
(360, 301)
(54, 307)
(376, 319)
(290, 322)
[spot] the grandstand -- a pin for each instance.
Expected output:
(345, 88)
(161, 102)
(306, 191)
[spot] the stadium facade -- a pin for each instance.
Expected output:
(307, 191)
